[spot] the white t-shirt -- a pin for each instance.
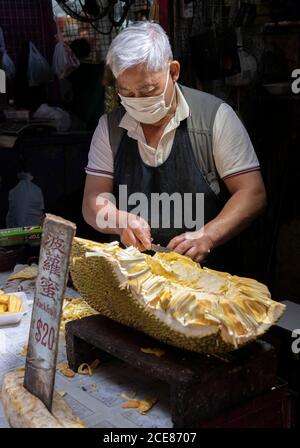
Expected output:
(232, 148)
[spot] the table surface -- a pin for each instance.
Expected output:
(97, 399)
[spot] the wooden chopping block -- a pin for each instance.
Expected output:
(24, 410)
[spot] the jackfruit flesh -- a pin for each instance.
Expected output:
(172, 298)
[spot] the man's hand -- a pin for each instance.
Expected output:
(248, 200)
(195, 245)
(134, 231)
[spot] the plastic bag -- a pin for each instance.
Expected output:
(39, 71)
(64, 60)
(7, 64)
(248, 70)
(248, 65)
(26, 203)
(61, 118)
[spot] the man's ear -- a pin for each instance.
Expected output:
(175, 70)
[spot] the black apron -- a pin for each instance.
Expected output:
(178, 174)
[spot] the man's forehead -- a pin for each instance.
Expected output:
(142, 86)
(139, 78)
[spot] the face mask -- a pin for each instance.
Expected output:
(150, 109)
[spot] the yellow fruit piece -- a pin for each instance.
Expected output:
(142, 406)
(74, 309)
(14, 304)
(146, 405)
(64, 368)
(85, 369)
(153, 351)
(95, 364)
(4, 299)
(3, 308)
(131, 404)
(27, 273)
(24, 350)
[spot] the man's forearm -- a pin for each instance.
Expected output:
(102, 214)
(240, 210)
(110, 214)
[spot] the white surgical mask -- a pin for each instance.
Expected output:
(149, 109)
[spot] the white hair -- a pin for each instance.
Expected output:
(143, 43)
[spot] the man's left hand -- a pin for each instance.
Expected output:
(192, 244)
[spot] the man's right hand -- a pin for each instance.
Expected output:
(134, 231)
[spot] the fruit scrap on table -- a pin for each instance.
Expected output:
(64, 368)
(153, 351)
(24, 350)
(88, 369)
(74, 309)
(142, 406)
(28, 273)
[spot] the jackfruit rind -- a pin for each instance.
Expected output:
(172, 298)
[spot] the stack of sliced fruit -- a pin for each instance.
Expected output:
(10, 303)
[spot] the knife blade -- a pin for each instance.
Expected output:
(159, 248)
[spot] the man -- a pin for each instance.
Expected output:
(171, 139)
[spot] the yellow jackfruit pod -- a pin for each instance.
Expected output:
(172, 298)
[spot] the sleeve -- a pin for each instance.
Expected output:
(232, 148)
(100, 159)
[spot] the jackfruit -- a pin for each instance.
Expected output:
(172, 298)
(73, 309)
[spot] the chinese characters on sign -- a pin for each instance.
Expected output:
(50, 286)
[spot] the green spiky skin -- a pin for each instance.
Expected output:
(94, 278)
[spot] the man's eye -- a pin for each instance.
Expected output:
(149, 92)
(129, 95)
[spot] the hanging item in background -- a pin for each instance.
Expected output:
(248, 66)
(64, 60)
(61, 118)
(26, 203)
(154, 11)
(186, 9)
(39, 71)
(214, 54)
(245, 15)
(93, 11)
(7, 64)
(91, 8)
(164, 12)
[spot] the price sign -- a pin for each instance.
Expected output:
(46, 314)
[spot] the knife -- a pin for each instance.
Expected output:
(159, 248)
